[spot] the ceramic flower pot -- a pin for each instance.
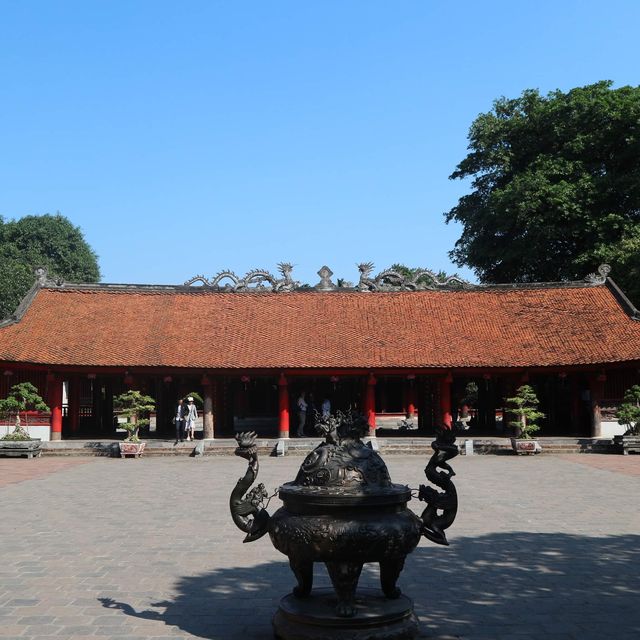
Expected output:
(134, 449)
(525, 446)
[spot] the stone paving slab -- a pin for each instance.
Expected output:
(544, 547)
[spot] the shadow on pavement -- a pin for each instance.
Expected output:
(533, 583)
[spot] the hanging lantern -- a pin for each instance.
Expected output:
(334, 380)
(245, 379)
(168, 379)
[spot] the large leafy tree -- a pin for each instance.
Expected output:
(555, 187)
(49, 241)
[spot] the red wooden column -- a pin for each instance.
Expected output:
(445, 401)
(370, 404)
(283, 407)
(596, 388)
(207, 410)
(55, 404)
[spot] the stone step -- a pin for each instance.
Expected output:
(301, 447)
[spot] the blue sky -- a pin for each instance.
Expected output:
(188, 137)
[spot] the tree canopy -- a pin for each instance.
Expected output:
(49, 241)
(555, 187)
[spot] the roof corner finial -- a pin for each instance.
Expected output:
(41, 276)
(604, 270)
(599, 278)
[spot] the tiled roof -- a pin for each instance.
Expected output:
(198, 328)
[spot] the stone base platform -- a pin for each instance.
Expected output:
(314, 618)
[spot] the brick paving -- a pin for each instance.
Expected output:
(15, 470)
(544, 547)
(628, 465)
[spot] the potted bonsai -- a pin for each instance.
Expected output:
(524, 407)
(628, 415)
(22, 397)
(133, 405)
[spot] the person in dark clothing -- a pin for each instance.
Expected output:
(178, 419)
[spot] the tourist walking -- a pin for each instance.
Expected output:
(178, 420)
(190, 419)
(302, 414)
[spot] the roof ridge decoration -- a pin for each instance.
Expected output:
(43, 279)
(385, 281)
(390, 280)
(599, 278)
(253, 280)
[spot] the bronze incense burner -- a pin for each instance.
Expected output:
(343, 510)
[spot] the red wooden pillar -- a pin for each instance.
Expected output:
(283, 407)
(411, 397)
(370, 404)
(55, 404)
(445, 401)
(74, 403)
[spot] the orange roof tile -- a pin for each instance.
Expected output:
(199, 328)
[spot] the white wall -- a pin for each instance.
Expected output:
(39, 431)
(610, 429)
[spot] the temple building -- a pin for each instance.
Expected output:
(409, 352)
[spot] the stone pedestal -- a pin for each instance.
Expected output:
(314, 618)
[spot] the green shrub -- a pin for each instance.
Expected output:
(22, 397)
(133, 405)
(524, 406)
(628, 413)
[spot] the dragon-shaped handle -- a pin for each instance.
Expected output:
(445, 501)
(247, 511)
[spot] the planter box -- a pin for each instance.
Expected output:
(19, 448)
(134, 449)
(525, 447)
(627, 444)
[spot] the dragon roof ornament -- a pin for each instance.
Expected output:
(387, 280)
(254, 280)
(599, 278)
(43, 279)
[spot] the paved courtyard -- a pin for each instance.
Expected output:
(545, 547)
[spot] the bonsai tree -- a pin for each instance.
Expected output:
(22, 397)
(524, 406)
(628, 412)
(133, 405)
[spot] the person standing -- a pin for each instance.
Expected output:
(326, 407)
(302, 414)
(191, 415)
(178, 420)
